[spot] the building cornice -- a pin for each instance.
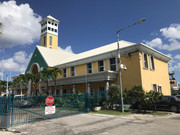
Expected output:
(126, 51)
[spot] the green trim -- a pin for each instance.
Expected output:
(49, 33)
(36, 58)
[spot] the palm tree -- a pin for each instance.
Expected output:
(3, 84)
(16, 83)
(31, 77)
(10, 85)
(45, 75)
(54, 74)
(22, 81)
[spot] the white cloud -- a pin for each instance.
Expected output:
(174, 64)
(177, 57)
(67, 49)
(20, 24)
(155, 43)
(17, 63)
(20, 57)
(1, 74)
(172, 33)
(176, 67)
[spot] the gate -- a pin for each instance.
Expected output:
(5, 105)
(32, 108)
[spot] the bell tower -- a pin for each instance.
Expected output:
(49, 32)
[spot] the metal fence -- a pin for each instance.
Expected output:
(24, 109)
(5, 106)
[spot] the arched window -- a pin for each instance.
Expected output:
(44, 40)
(50, 40)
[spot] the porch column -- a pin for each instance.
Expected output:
(74, 88)
(107, 88)
(61, 89)
(107, 85)
(29, 88)
(89, 89)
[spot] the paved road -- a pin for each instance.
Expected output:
(97, 124)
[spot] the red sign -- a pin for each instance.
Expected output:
(49, 101)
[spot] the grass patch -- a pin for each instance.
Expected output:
(158, 113)
(111, 112)
(116, 112)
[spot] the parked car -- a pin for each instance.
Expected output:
(20, 101)
(171, 103)
(178, 96)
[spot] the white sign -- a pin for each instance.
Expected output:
(50, 110)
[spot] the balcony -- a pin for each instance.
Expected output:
(94, 77)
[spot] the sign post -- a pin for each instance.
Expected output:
(49, 109)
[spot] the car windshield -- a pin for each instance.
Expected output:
(177, 98)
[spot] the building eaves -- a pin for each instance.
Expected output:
(111, 51)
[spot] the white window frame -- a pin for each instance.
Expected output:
(64, 73)
(50, 41)
(159, 86)
(109, 63)
(153, 87)
(151, 62)
(74, 71)
(91, 90)
(103, 88)
(99, 67)
(144, 66)
(87, 69)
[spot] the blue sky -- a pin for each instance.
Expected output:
(88, 24)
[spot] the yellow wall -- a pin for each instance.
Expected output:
(159, 76)
(80, 69)
(95, 64)
(131, 76)
(135, 74)
(68, 71)
(68, 88)
(54, 41)
(96, 85)
(106, 61)
(81, 87)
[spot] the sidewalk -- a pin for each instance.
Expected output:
(98, 124)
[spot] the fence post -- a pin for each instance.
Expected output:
(12, 102)
(87, 102)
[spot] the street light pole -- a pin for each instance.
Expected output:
(119, 60)
(7, 85)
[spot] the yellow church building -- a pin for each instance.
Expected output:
(96, 69)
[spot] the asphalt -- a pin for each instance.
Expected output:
(98, 124)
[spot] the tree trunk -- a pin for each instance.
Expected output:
(55, 86)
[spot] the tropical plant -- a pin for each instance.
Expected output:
(33, 77)
(114, 95)
(45, 75)
(136, 93)
(54, 74)
(16, 83)
(3, 85)
(153, 98)
(23, 80)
